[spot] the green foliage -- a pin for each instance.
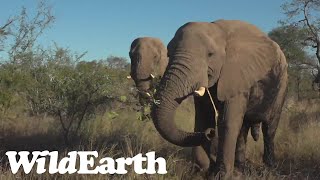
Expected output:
(112, 114)
(304, 14)
(123, 98)
(117, 62)
(146, 102)
(291, 40)
(71, 91)
(12, 81)
(144, 112)
(56, 83)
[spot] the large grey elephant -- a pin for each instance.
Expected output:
(245, 72)
(149, 60)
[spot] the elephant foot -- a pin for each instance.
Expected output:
(240, 167)
(269, 161)
(238, 175)
(248, 167)
(195, 172)
(224, 176)
(197, 169)
(216, 172)
(213, 176)
(213, 173)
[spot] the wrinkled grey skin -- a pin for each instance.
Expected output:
(245, 71)
(147, 48)
(148, 61)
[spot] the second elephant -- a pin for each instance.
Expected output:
(149, 60)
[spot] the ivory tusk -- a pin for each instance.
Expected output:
(200, 91)
(129, 77)
(152, 76)
(148, 94)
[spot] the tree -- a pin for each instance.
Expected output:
(290, 39)
(22, 31)
(17, 38)
(4, 32)
(117, 62)
(305, 15)
(71, 90)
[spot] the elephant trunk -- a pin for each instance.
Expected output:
(175, 86)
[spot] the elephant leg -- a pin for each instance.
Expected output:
(269, 126)
(229, 129)
(204, 118)
(200, 158)
(240, 158)
(269, 131)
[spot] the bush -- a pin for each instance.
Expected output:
(70, 91)
(58, 84)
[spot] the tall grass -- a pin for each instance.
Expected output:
(297, 143)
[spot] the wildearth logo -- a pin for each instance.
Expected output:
(87, 159)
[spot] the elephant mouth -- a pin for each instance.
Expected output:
(147, 87)
(146, 94)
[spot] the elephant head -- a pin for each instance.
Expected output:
(232, 55)
(148, 61)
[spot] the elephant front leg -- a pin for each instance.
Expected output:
(200, 158)
(204, 155)
(240, 158)
(229, 128)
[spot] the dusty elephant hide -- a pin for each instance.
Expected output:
(245, 71)
(148, 63)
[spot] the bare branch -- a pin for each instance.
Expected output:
(307, 20)
(28, 30)
(318, 50)
(9, 22)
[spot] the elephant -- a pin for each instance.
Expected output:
(246, 74)
(148, 61)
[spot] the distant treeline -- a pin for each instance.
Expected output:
(57, 82)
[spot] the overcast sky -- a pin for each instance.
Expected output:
(107, 27)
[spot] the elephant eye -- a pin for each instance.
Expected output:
(210, 54)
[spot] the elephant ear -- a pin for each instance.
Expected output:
(161, 60)
(247, 61)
